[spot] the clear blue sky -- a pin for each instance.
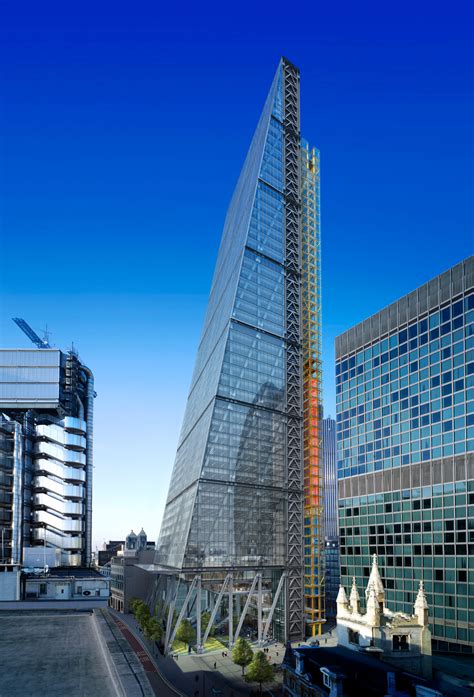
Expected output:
(123, 130)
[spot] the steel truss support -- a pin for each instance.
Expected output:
(182, 611)
(231, 610)
(215, 608)
(259, 611)
(294, 617)
(272, 609)
(257, 579)
(172, 604)
(198, 614)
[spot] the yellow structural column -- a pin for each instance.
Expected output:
(311, 328)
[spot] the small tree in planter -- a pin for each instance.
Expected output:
(259, 670)
(186, 632)
(242, 653)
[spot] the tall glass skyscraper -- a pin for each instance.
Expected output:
(244, 500)
(405, 439)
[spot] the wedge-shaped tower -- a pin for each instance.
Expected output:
(236, 499)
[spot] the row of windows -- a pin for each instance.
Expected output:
(408, 354)
(435, 319)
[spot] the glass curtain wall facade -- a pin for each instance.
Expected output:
(236, 495)
(331, 536)
(405, 440)
(46, 412)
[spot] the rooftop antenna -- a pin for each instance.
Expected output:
(31, 334)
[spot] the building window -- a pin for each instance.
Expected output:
(79, 590)
(400, 642)
(353, 636)
(43, 589)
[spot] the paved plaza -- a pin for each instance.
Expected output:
(195, 676)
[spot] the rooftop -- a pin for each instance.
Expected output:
(427, 297)
(60, 654)
(69, 572)
(359, 668)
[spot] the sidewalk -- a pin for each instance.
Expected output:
(160, 685)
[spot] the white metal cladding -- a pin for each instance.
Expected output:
(58, 503)
(29, 377)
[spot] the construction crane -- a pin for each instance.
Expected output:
(31, 334)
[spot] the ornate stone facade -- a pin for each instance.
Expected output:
(396, 637)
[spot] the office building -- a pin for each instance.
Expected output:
(243, 509)
(129, 578)
(405, 442)
(108, 551)
(331, 537)
(46, 418)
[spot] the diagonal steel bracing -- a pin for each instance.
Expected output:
(216, 608)
(182, 611)
(294, 406)
(274, 604)
(256, 579)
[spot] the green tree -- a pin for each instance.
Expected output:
(141, 611)
(134, 602)
(259, 670)
(186, 632)
(205, 617)
(153, 629)
(242, 653)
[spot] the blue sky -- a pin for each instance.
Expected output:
(123, 130)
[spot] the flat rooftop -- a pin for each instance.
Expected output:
(53, 654)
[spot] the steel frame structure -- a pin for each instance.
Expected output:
(294, 401)
(195, 587)
(311, 334)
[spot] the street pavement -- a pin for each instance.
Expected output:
(144, 653)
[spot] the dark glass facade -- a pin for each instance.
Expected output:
(405, 432)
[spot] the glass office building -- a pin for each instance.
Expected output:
(236, 502)
(46, 416)
(331, 536)
(405, 442)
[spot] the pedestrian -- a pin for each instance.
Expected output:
(215, 665)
